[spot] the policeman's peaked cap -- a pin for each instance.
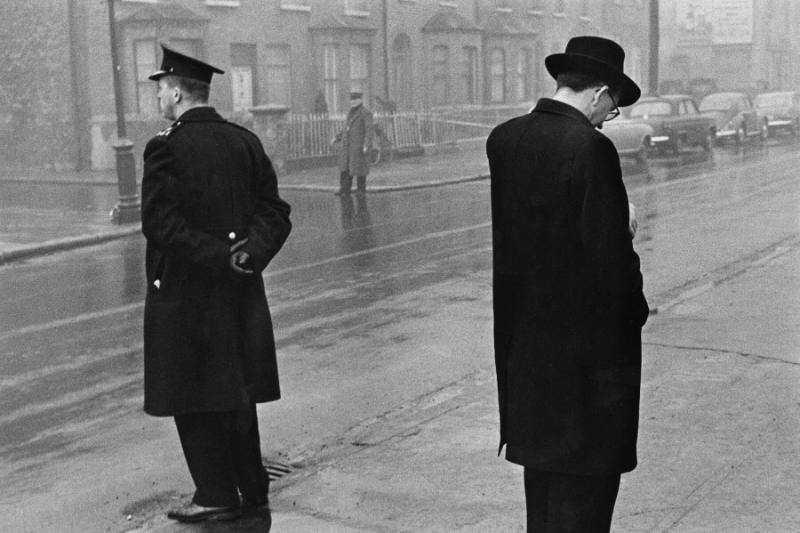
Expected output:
(177, 64)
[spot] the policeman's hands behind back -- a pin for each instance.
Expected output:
(240, 260)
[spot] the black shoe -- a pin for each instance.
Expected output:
(191, 512)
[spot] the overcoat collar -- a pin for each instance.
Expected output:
(548, 105)
(201, 114)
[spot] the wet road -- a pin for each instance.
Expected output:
(375, 303)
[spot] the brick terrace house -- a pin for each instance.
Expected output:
(57, 93)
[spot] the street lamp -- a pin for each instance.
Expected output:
(128, 208)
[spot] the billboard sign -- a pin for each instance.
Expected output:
(703, 22)
(732, 22)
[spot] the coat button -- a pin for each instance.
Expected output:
(232, 236)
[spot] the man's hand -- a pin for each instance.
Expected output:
(633, 225)
(239, 260)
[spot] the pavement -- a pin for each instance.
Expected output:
(718, 435)
(46, 211)
(719, 428)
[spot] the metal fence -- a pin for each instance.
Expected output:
(312, 135)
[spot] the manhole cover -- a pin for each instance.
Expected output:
(276, 470)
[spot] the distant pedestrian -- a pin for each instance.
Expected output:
(213, 221)
(568, 299)
(355, 145)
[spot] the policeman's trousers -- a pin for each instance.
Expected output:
(223, 453)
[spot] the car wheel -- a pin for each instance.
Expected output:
(741, 135)
(677, 145)
(708, 141)
(644, 149)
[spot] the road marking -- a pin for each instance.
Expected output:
(84, 317)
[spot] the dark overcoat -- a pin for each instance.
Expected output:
(568, 300)
(208, 341)
(356, 135)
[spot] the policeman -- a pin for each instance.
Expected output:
(213, 221)
(356, 145)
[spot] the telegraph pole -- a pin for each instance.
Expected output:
(127, 209)
(652, 85)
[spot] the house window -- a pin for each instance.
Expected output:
(278, 75)
(469, 65)
(331, 77)
(497, 83)
(146, 90)
(524, 60)
(359, 8)
(243, 75)
(359, 70)
(440, 59)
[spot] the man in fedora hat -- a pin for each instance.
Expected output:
(213, 221)
(355, 146)
(568, 300)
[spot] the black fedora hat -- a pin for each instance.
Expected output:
(178, 64)
(597, 56)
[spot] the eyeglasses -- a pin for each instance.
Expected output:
(614, 113)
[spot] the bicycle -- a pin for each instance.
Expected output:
(382, 149)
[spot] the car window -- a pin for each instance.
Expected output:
(647, 109)
(717, 102)
(774, 100)
(744, 103)
(691, 107)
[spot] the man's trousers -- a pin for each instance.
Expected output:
(561, 503)
(223, 453)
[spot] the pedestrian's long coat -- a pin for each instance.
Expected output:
(356, 135)
(568, 300)
(208, 341)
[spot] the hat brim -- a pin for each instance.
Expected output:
(629, 90)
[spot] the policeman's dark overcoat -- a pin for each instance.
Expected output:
(568, 300)
(208, 341)
(356, 135)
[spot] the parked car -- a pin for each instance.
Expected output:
(675, 120)
(781, 109)
(631, 138)
(735, 116)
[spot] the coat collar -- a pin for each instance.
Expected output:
(548, 105)
(201, 114)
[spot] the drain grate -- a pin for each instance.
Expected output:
(276, 470)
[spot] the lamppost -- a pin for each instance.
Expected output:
(127, 209)
(652, 78)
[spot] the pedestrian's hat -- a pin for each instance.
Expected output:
(599, 57)
(355, 94)
(177, 64)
